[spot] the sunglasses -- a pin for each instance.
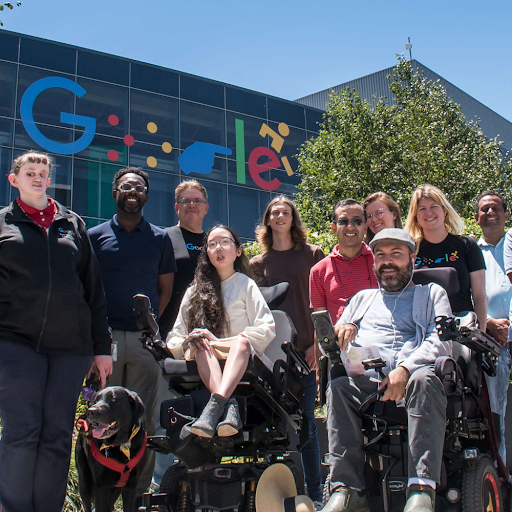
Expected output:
(355, 222)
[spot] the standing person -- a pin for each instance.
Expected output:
(187, 239)
(231, 324)
(134, 257)
(491, 214)
(287, 257)
(349, 268)
(53, 327)
(382, 211)
(435, 227)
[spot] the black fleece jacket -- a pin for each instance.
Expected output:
(51, 293)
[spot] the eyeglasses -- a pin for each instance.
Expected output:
(355, 222)
(194, 200)
(378, 214)
(224, 243)
(128, 187)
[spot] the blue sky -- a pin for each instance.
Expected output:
(290, 48)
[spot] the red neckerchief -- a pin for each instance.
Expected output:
(118, 467)
(43, 218)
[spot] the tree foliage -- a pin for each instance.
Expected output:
(420, 136)
(9, 5)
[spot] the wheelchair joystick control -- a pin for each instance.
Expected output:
(375, 364)
(326, 336)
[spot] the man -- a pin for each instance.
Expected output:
(491, 215)
(349, 268)
(399, 319)
(187, 241)
(288, 258)
(134, 257)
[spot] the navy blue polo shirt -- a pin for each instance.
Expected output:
(130, 263)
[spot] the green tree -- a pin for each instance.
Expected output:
(420, 136)
(9, 5)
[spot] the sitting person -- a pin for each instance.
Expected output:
(222, 316)
(399, 320)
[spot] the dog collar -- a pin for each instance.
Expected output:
(125, 447)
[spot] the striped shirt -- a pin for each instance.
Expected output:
(336, 279)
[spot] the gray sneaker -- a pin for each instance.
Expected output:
(344, 499)
(206, 424)
(231, 423)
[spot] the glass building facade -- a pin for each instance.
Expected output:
(96, 113)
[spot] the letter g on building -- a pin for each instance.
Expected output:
(27, 117)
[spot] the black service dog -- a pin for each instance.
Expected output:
(111, 449)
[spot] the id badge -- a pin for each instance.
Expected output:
(113, 349)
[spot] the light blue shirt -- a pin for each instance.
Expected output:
(497, 285)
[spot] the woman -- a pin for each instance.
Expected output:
(53, 326)
(382, 211)
(436, 227)
(222, 316)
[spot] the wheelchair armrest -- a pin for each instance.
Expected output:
(294, 355)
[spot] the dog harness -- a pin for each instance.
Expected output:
(114, 465)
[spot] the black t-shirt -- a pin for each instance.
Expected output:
(463, 254)
(187, 248)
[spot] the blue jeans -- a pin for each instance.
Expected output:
(38, 395)
(311, 453)
(498, 387)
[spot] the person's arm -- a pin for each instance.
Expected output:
(180, 331)
(507, 254)
(164, 286)
(477, 280)
(498, 327)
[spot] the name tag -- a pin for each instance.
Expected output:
(114, 351)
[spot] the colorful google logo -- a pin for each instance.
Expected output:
(198, 158)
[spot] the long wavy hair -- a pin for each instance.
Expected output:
(206, 310)
(298, 231)
(452, 222)
(392, 206)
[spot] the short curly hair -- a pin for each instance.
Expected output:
(134, 170)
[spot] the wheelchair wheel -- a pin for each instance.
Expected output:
(170, 486)
(481, 488)
(297, 475)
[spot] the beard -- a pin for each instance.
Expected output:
(127, 207)
(396, 282)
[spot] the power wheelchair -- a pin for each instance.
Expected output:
(471, 464)
(221, 474)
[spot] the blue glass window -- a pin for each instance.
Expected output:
(202, 91)
(103, 67)
(218, 201)
(105, 149)
(313, 118)
(245, 209)
(9, 47)
(6, 126)
(286, 112)
(48, 55)
(151, 156)
(23, 140)
(7, 88)
(246, 102)
(154, 79)
(251, 128)
(5, 163)
(159, 209)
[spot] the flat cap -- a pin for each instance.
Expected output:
(393, 235)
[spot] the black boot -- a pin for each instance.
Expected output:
(206, 424)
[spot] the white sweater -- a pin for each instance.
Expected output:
(247, 314)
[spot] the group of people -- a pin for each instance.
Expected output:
(66, 311)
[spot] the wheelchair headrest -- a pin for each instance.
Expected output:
(444, 276)
(275, 295)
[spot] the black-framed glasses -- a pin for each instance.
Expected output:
(356, 221)
(128, 187)
(193, 200)
(378, 214)
(223, 242)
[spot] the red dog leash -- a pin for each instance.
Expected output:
(118, 467)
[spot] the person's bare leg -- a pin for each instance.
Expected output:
(209, 370)
(235, 366)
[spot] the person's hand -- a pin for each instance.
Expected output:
(499, 330)
(346, 333)
(102, 365)
(395, 380)
(200, 340)
(311, 358)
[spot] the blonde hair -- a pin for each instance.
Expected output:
(187, 185)
(452, 222)
(298, 231)
(392, 206)
(33, 157)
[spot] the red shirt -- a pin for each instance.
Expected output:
(336, 279)
(43, 218)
